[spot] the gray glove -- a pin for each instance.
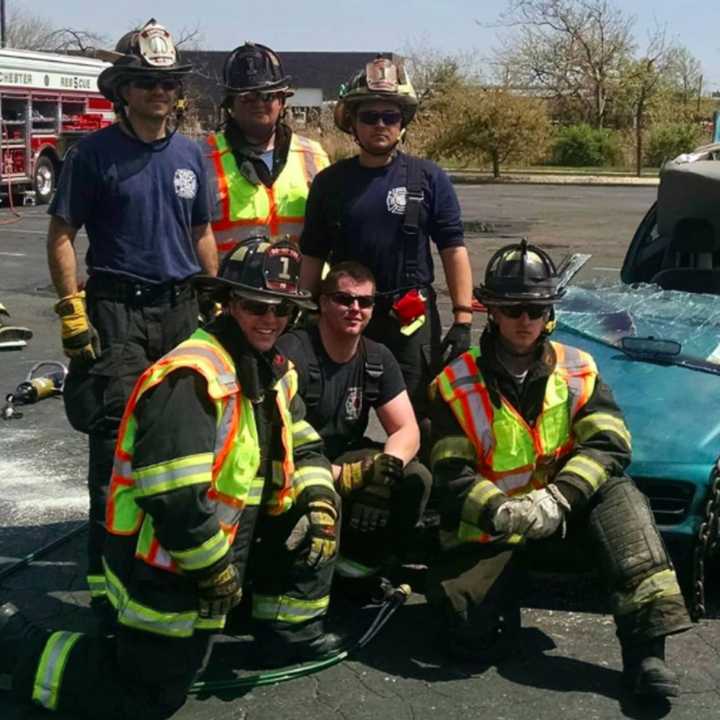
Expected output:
(537, 514)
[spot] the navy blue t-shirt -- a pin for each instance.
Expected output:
(372, 211)
(138, 202)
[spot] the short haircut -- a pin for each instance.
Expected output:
(349, 268)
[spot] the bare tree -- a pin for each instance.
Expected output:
(570, 49)
(684, 73)
(32, 32)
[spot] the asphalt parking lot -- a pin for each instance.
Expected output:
(569, 663)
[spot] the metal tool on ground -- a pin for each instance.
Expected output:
(394, 598)
(12, 337)
(44, 379)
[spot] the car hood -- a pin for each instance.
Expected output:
(673, 412)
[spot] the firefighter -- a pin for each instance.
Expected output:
(140, 191)
(344, 375)
(259, 169)
(530, 445)
(382, 208)
(214, 457)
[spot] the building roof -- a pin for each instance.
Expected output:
(324, 70)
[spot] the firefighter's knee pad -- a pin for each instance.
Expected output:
(628, 543)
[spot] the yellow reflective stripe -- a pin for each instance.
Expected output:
(136, 615)
(601, 422)
(588, 469)
(203, 555)
(283, 608)
(662, 584)
(48, 677)
(345, 567)
(96, 585)
(303, 433)
(306, 477)
(477, 499)
(173, 474)
(453, 447)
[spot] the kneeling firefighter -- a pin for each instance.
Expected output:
(214, 457)
(529, 444)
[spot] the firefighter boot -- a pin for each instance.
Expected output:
(16, 633)
(273, 650)
(645, 672)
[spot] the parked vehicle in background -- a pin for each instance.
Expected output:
(47, 103)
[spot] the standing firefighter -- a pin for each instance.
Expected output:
(382, 208)
(213, 458)
(260, 170)
(139, 189)
(529, 444)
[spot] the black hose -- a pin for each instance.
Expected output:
(44, 550)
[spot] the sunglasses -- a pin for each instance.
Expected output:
(346, 299)
(373, 117)
(255, 307)
(534, 312)
(151, 83)
(253, 95)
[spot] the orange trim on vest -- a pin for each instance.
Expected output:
(220, 174)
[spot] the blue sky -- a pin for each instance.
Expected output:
(447, 26)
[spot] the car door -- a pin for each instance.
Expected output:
(644, 257)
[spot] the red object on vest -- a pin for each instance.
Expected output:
(410, 306)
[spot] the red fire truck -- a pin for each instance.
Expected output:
(47, 102)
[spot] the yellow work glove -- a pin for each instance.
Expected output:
(79, 338)
(318, 527)
(380, 469)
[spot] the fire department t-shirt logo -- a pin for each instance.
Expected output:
(397, 200)
(186, 184)
(353, 403)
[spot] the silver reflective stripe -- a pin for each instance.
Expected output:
(122, 468)
(173, 625)
(51, 668)
(305, 434)
(306, 149)
(163, 559)
(223, 377)
(510, 483)
(227, 514)
(478, 416)
(171, 476)
(223, 429)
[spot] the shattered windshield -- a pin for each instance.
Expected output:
(609, 311)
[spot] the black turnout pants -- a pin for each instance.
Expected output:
(137, 324)
(132, 676)
(476, 585)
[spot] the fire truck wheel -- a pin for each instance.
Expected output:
(44, 180)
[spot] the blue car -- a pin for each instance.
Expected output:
(656, 340)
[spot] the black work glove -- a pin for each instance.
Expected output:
(219, 593)
(318, 526)
(456, 342)
(371, 506)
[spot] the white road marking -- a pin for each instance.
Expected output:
(27, 232)
(11, 254)
(606, 269)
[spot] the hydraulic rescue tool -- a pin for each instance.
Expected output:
(44, 379)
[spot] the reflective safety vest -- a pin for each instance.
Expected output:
(513, 456)
(247, 209)
(230, 469)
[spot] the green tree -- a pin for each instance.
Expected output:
(492, 124)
